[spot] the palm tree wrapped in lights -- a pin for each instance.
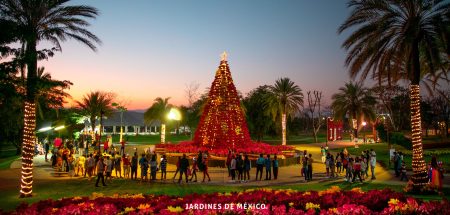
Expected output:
(285, 98)
(33, 22)
(401, 38)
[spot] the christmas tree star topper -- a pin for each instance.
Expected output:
(224, 56)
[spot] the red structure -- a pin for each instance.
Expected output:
(334, 129)
(222, 124)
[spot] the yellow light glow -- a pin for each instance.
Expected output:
(174, 114)
(59, 128)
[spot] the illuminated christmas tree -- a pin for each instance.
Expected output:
(222, 124)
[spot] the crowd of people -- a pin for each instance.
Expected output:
(351, 167)
(239, 166)
(71, 157)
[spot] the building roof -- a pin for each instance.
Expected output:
(129, 118)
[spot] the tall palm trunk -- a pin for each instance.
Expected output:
(355, 129)
(420, 176)
(418, 164)
(28, 141)
(283, 129)
(163, 133)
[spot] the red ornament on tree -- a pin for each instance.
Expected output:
(222, 124)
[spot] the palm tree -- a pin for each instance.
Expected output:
(33, 22)
(159, 111)
(355, 101)
(96, 104)
(285, 98)
(50, 92)
(415, 35)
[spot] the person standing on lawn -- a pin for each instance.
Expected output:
(357, 170)
(134, 166)
(122, 147)
(247, 167)
(109, 168)
(205, 169)
(373, 162)
(126, 166)
(305, 165)
(178, 168)
(143, 163)
(275, 167)
(259, 167)
(153, 167)
(240, 168)
(228, 162)
(184, 165)
(163, 167)
(100, 172)
(117, 167)
(310, 170)
(268, 164)
(194, 169)
(46, 148)
(332, 166)
(233, 168)
(403, 172)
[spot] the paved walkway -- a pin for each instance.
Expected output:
(287, 175)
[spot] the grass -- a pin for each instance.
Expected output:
(382, 150)
(300, 139)
(151, 139)
(78, 187)
(5, 163)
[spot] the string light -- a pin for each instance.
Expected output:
(283, 128)
(26, 187)
(222, 123)
(420, 176)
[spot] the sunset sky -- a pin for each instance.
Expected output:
(155, 48)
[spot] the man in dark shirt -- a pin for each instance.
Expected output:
(134, 166)
(184, 166)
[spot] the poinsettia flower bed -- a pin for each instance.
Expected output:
(262, 201)
(248, 148)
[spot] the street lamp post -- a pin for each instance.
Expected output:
(364, 131)
(174, 114)
(100, 129)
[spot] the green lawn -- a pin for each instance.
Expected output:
(382, 151)
(299, 139)
(5, 163)
(151, 139)
(78, 187)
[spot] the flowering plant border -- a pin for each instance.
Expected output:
(330, 201)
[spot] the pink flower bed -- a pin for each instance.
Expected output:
(263, 201)
(249, 148)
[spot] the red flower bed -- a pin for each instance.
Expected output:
(249, 148)
(264, 201)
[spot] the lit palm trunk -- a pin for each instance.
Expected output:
(418, 164)
(283, 128)
(163, 133)
(26, 184)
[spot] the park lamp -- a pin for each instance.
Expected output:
(59, 127)
(48, 128)
(364, 123)
(174, 114)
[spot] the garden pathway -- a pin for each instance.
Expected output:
(287, 175)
